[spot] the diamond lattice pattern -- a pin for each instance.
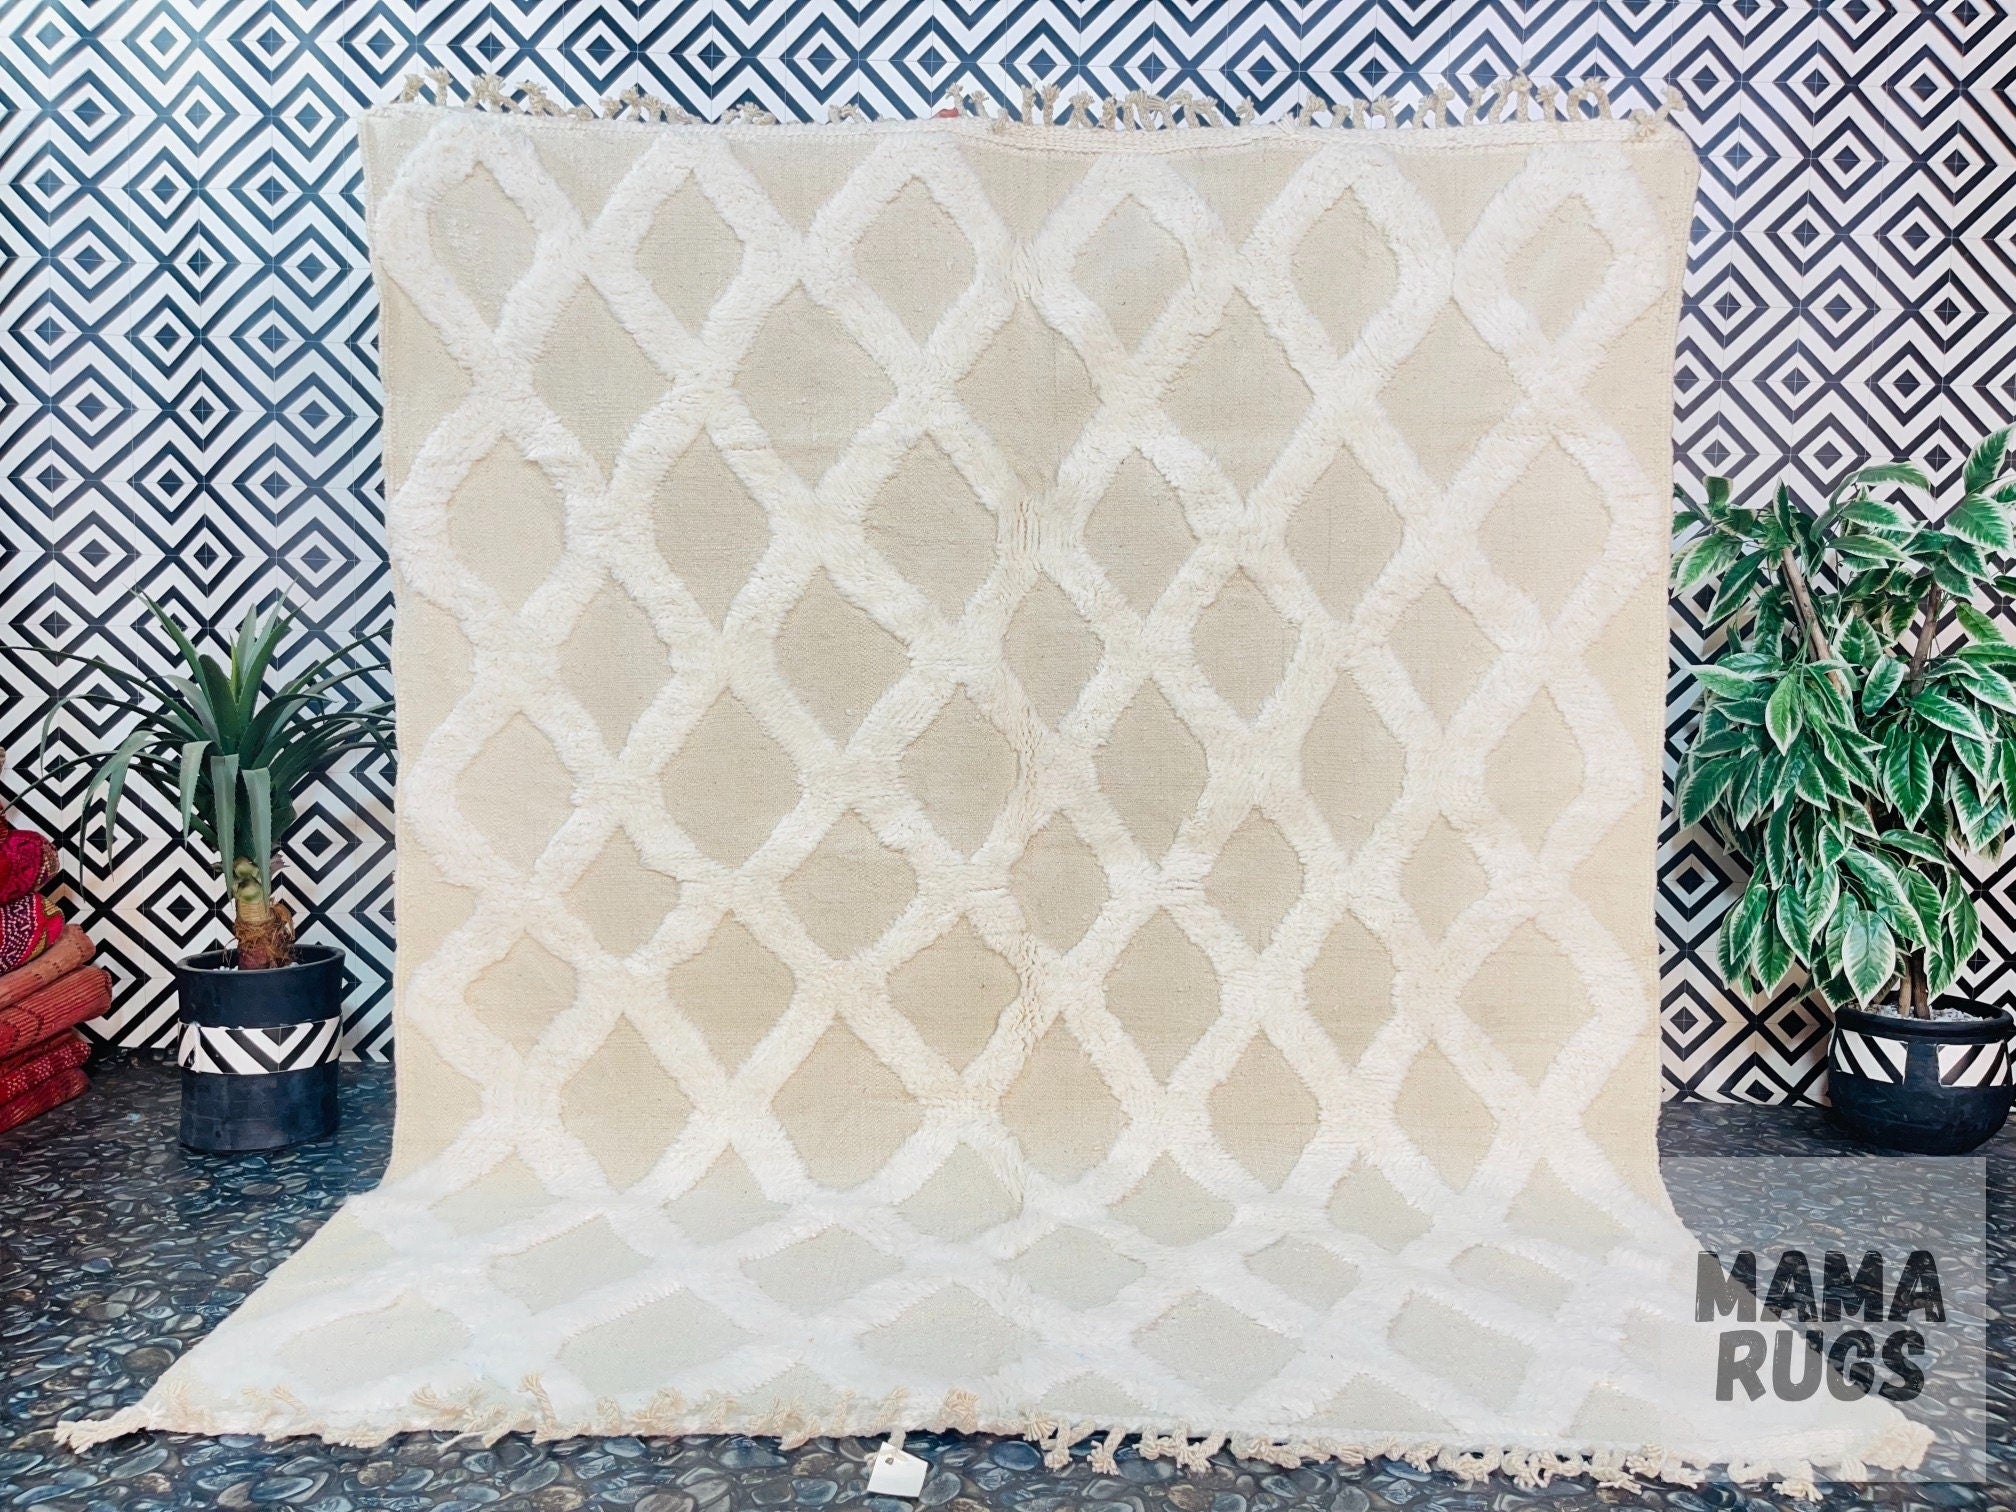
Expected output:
(1001, 778)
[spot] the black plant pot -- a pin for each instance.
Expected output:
(258, 1050)
(1928, 1086)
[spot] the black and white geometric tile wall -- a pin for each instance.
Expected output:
(190, 409)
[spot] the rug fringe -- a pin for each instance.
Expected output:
(1519, 98)
(488, 1416)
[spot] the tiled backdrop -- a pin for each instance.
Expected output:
(190, 406)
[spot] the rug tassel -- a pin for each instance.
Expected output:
(1494, 102)
(89, 1433)
(1104, 1457)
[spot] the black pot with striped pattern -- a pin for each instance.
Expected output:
(1928, 1086)
(258, 1050)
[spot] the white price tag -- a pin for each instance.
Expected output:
(894, 1473)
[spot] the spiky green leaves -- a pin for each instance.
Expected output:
(232, 752)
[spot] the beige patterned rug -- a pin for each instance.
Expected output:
(1029, 768)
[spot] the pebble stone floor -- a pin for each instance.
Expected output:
(118, 1250)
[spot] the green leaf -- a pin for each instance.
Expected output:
(1743, 711)
(1941, 970)
(1926, 902)
(1737, 945)
(1938, 709)
(1916, 845)
(1984, 463)
(1703, 786)
(1746, 794)
(1727, 739)
(1962, 923)
(1980, 521)
(1789, 906)
(191, 775)
(224, 798)
(1785, 714)
(259, 820)
(1705, 560)
(1736, 585)
(1977, 624)
(1858, 643)
(1881, 887)
(1981, 819)
(1906, 473)
(1868, 952)
(1823, 895)
(1987, 685)
(251, 673)
(114, 772)
(1979, 759)
(1908, 926)
(1876, 514)
(1868, 548)
(1883, 680)
(1987, 654)
(1907, 772)
(1954, 580)
(1774, 954)
(1825, 704)
(1722, 682)
(1810, 779)
(1778, 842)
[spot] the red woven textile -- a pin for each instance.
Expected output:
(52, 1093)
(28, 926)
(70, 949)
(35, 1065)
(67, 1003)
(27, 862)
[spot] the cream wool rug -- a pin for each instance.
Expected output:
(1029, 768)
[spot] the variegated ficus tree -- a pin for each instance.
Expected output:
(1857, 730)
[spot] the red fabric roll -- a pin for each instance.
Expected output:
(65, 1004)
(28, 926)
(18, 1073)
(27, 863)
(40, 1098)
(69, 950)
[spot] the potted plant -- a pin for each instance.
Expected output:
(1852, 743)
(261, 1016)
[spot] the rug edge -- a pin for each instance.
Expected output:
(1794, 1462)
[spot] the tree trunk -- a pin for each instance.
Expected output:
(264, 927)
(1928, 636)
(1914, 994)
(1919, 1001)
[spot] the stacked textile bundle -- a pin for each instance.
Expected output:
(47, 986)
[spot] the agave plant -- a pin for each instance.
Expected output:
(1852, 742)
(233, 753)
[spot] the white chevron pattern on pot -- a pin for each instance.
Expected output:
(1875, 1056)
(1974, 1065)
(228, 1051)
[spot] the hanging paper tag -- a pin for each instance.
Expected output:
(894, 1473)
